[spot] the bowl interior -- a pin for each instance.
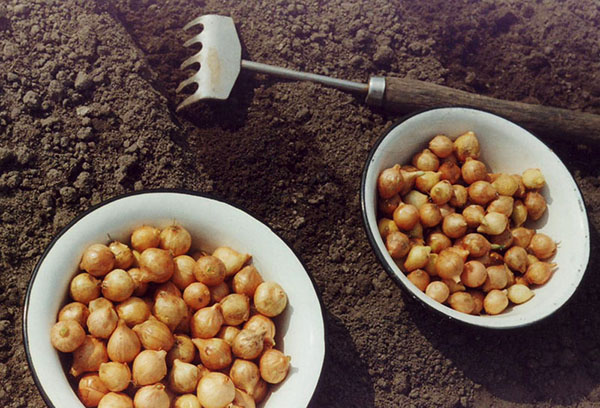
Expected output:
(212, 223)
(508, 148)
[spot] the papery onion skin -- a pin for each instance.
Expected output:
(183, 349)
(426, 161)
(176, 239)
(215, 390)
(117, 285)
(215, 353)
(442, 146)
(91, 389)
(157, 265)
(210, 270)
(123, 345)
(466, 146)
(67, 336)
(438, 291)
(495, 302)
(116, 376)
(133, 311)
(149, 367)
(270, 299)
(207, 322)
(88, 356)
(542, 246)
(197, 295)
(274, 366)
(84, 288)
(145, 237)
(419, 278)
(246, 281)
(244, 374)
(390, 182)
(154, 335)
(183, 274)
(97, 260)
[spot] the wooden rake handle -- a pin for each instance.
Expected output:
(406, 95)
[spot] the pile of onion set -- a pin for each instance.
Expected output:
(461, 233)
(158, 324)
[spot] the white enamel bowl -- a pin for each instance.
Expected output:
(505, 147)
(212, 223)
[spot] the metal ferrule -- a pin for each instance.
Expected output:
(376, 91)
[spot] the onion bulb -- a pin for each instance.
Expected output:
(454, 226)
(449, 265)
(274, 366)
(152, 396)
(218, 292)
(117, 285)
(536, 205)
(134, 311)
(459, 197)
(260, 392)
(516, 259)
(91, 389)
(245, 375)
(74, 311)
(115, 400)
(449, 171)
(197, 295)
(397, 244)
(462, 302)
(157, 265)
(419, 278)
(438, 291)
(481, 192)
(260, 323)
(183, 377)
(123, 256)
(183, 349)
(169, 309)
(242, 400)
(187, 401)
(417, 258)
(88, 356)
(493, 223)
(473, 170)
(388, 205)
(183, 274)
(441, 193)
(100, 303)
(67, 335)
(521, 190)
(474, 274)
(466, 145)
(215, 390)
(430, 215)
(502, 204)
(441, 145)
(145, 237)
(386, 226)
(116, 376)
(415, 198)
(478, 297)
(84, 288)
(522, 236)
(123, 345)
(154, 334)
(519, 293)
(207, 322)
(495, 302)
(270, 299)
(149, 367)
(235, 309)
(175, 239)
(390, 182)
(519, 213)
(228, 333)
(438, 242)
(140, 287)
(233, 260)
(473, 215)
(101, 323)
(246, 281)
(409, 174)
(426, 161)
(497, 278)
(539, 272)
(97, 260)
(248, 344)
(210, 270)
(425, 182)
(406, 216)
(215, 353)
(533, 179)
(476, 244)
(542, 246)
(505, 185)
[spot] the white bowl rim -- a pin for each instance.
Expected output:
(24, 330)
(387, 267)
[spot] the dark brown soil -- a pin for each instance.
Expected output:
(87, 112)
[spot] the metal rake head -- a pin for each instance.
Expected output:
(220, 59)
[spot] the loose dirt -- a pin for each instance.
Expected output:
(87, 112)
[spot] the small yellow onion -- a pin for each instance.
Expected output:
(260, 323)
(197, 295)
(228, 333)
(235, 309)
(67, 335)
(183, 377)
(154, 334)
(97, 260)
(183, 349)
(449, 171)
(270, 299)
(505, 184)
(521, 190)
(462, 302)
(419, 278)
(210, 270)
(519, 213)
(474, 274)
(117, 285)
(426, 161)
(207, 322)
(88, 356)
(454, 286)
(533, 179)
(145, 237)
(274, 366)
(245, 375)
(531, 259)
(438, 291)
(441, 145)
(521, 280)
(459, 197)
(140, 287)
(168, 287)
(425, 182)
(215, 353)
(175, 239)
(473, 170)
(390, 182)
(187, 401)
(430, 215)
(233, 260)
(460, 251)
(478, 297)
(446, 210)
(218, 292)
(536, 205)
(441, 193)
(493, 223)
(246, 281)
(476, 244)
(116, 376)
(416, 234)
(260, 392)
(454, 226)
(115, 400)
(406, 216)
(169, 309)
(495, 302)
(242, 400)
(497, 278)
(386, 227)
(542, 246)
(449, 265)
(430, 267)
(415, 198)
(387, 205)
(248, 344)
(123, 256)
(516, 259)
(519, 293)
(481, 192)
(133, 311)
(473, 215)
(502, 204)
(157, 265)
(466, 145)
(397, 244)
(417, 258)
(100, 303)
(91, 389)
(410, 176)
(215, 390)
(149, 367)
(74, 311)
(152, 396)
(539, 272)
(438, 242)
(123, 345)
(522, 236)
(84, 288)
(183, 274)
(101, 323)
